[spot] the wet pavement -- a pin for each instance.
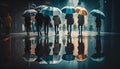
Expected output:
(89, 51)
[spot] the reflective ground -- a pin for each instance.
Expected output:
(89, 51)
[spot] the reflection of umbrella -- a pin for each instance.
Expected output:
(81, 57)
(29, 57)
(51, 11)
(29, 13)
(97, 57)
(68, 10)
(52, 59)
(81, 10)
(68, 57)
(40, 7)
(96, 13)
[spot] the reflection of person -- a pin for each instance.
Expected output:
(46, 47)
(27, 45)
(70, 47)
(98, 24)
(47, 20)
(70, 21)
(39, 22)
(98, 45)
(98, 55)
(57, 46)
(80, 22)
(57, 21)
(81, 55)
(39, 49)
(27, 24)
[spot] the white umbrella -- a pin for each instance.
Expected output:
(51, 11)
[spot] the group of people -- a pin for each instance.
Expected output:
(45, 20)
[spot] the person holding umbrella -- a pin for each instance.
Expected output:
(27, 24)
(47, 21)
(57, 21)
(39, 22)
(99, 15)
(80, 22)
(82, 13)
(70, 21)
(98, 24)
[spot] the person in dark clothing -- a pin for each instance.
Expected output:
(57, 46)
(57, 21)
(98, 24)
(39, 22)
(81, 48)
(27, 24)
(47, 20)
(39, 50)
(80, 22)
(70, 21)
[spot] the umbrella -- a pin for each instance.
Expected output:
(40, 7)
(29, 57)
(68, 10)
(52, 59)
(68, 57)
(81, 10)
(51, 11)
(29, 13)
(96, 13)
(81, 57)
(97, 57)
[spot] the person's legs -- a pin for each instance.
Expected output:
(47, 28)
(79, 28)
(40, 27)
(55, 29)
(70, 29)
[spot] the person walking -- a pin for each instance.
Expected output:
(98, 24)
(27, 24)
(57, 21)
(39, 22)
(80, 23)
(70, 21)
(47, 21)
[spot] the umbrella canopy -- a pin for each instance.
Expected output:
(52, 59)
(68, 10)
(98, 57)
(29, 57)
(97, 13)
(40, 7)
(68, 57)
(51, 11)
(81, 57)
(81, 10)
(29, 13)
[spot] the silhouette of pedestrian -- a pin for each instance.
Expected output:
(47, 21)
(27, 24)
(39, 22)
(57, 46)
(39, 50)
(98, 24)
(81, 48)
(57, 21)
(70, 21)
(80, 23)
